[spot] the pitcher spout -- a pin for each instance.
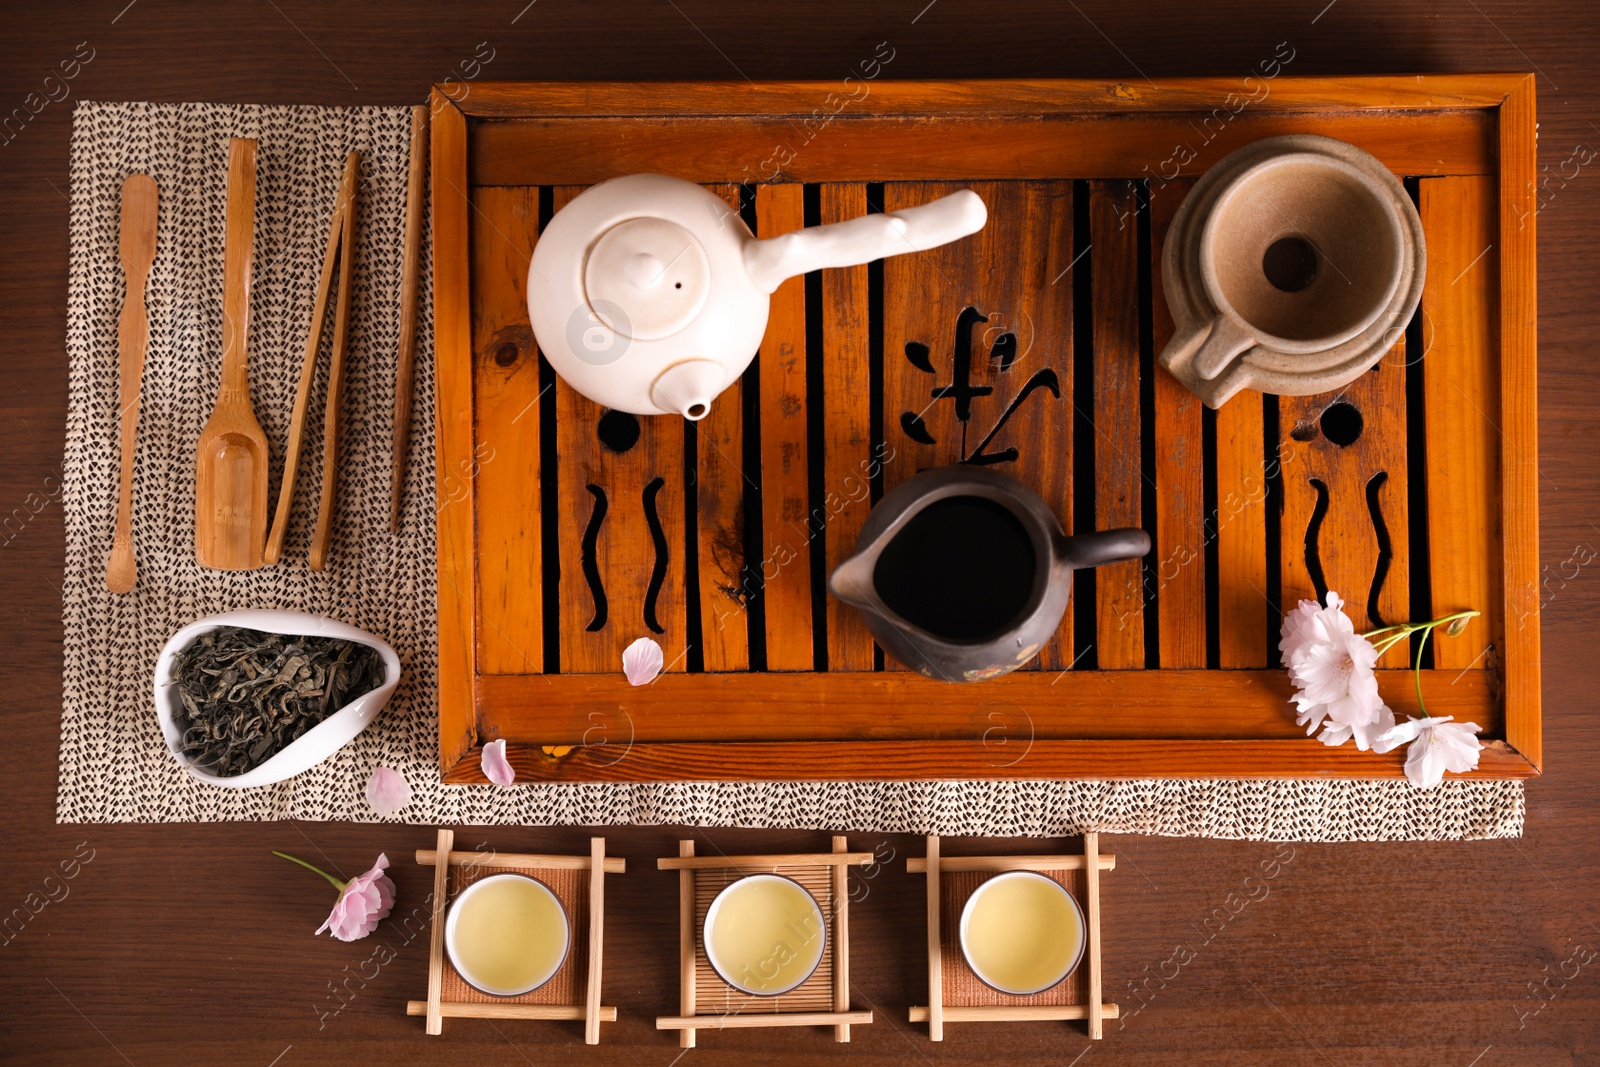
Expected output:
(851, 581)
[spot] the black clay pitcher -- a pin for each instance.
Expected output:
(962, 573)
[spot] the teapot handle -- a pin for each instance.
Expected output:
(855, 241)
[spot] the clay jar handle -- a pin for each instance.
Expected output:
(1106, 546)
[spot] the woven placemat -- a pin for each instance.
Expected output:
(114, 765)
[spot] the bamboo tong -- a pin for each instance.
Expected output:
(340, 254)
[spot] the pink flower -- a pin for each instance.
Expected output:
(387, 791)
(496, 767)
(642, 661)
(1331, 667)
(363, 901)
(1437, 745)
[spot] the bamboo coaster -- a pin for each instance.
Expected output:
(706, 1001)
(574, 991)
(956, 994)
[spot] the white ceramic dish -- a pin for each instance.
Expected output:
(317, 743)
(454, 919)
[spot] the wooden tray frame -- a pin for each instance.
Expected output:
(692, 967)
(591, 1011)
(937, 1011)
(1166, 723)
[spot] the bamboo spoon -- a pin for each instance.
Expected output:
(139, 207)
(408, 309)
(308, 367)
(330, 418)
(230, 500)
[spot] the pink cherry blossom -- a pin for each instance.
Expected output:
(642, 661)
(387, 791)
(1437, 745)
(365, 901)
(495, 765)
(1331, 668)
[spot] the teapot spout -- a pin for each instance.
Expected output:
(688, 387)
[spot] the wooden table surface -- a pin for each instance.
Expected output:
(192, 944)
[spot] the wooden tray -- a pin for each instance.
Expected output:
(556, 550)
(955, 992)
(706, 1002)
(573, 992)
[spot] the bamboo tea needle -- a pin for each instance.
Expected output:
(408, 309)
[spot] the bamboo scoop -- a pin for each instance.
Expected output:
(138, 248)
(230, 499)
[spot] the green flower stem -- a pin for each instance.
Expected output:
(336, 883)
(1389, 636)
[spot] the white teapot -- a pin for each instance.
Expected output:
(649, 294)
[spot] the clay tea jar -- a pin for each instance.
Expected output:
(962, 573)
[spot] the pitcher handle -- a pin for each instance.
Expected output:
(1105, 546)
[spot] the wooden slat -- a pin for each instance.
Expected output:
(719, 514)
(983, 97)
(1091, 881)
(1347, 542)
(582, 151)
(1119, 473)
(452, 331)
(876, 706)
(597, 926)
(1462, 393)
(446, 839)
(428, 857)
(847, 428)
(1180, 541)
(1013, 274)
(1243, 471)
(686, 943)
(688, 1024)
(558, 1012)
(1519, 425)
(917, 865)
(774, 861)
(786, 525)
(747, 761)
(1015, 1013)
(625, 554)
(505, 373)
(840, 938)
(935, 945)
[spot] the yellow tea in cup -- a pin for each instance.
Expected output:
(764, 934)
(507, 934)
(1022, 932)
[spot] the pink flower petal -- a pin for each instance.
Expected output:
(642, 661)
(387, 791)
(495, 764)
